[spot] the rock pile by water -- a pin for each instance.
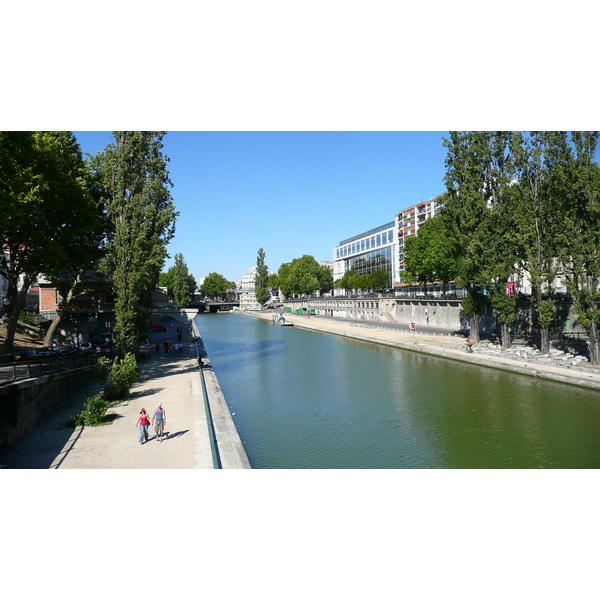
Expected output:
(530, 354)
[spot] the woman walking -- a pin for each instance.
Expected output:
(143, 423)
(160, 419)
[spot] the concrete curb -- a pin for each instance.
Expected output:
(230, 448)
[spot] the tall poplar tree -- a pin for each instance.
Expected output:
(180, 284)
(538, 218)
(142, 217)
(479, 173)
(261, 280)
(575, 178)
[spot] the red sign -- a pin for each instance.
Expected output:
(413, 327)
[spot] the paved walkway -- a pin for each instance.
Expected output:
(172, 379)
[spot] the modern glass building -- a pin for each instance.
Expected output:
(368, 252)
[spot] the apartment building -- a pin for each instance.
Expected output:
(408, 222)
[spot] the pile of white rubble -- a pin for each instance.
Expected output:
(532, 354)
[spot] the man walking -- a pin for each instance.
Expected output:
(159, 417)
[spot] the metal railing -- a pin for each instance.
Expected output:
(17, 371)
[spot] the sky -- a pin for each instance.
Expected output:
(290, 193)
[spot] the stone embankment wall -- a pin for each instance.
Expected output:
(23, 404)
(442, 313)
(230, 448)
(434, 312)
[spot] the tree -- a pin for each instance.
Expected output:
(47, 210)
(142, 219)
(304, 276)
(575, 179)
(478, 175)
(273, 282)
(215, 286)
(431, 255)
(380, 279)
(261, 280)
(178, 281)
(78, 276)
(538, 218)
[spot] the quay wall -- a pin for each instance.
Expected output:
(229, 446)
(23, 404)
(442, 313)
(436, 312)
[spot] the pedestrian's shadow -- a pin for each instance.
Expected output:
(147, 392)
(170, 435)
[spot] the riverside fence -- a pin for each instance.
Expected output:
(17, 371)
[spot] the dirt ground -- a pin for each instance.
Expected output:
(22, 340)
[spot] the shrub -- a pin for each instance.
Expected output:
(121, 378)
(102, 369)
(93, 411)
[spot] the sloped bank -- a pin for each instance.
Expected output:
(447, 347)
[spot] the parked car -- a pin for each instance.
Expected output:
(157, 326)
(105, 339)
(33, 308)
(49, 351)
(67, 350)
(85, 347)
(29, 354)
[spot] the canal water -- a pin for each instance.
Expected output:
(308, 400)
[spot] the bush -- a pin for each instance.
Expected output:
(93, 411)
(27, 318)
(102, 369)
(121, 378)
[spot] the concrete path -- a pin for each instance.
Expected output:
(172, 379)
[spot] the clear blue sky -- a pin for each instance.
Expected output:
(291, 193)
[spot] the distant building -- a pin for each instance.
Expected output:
(368, 252)
(408, 222)
(245, 290)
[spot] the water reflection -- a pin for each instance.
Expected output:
(309, 400)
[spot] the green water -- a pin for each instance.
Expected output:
(310, 400)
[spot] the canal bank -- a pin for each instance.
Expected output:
(190, 395)
(446, 346)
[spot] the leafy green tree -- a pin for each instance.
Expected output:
(575, 180)
(47, 210)
(304, 276)
(478, 175)
(142, 217)
(538, 219)
(215, 286)
(273, 282)
(505, 307)
(380, 279)
(77, 276)
(178, 281)
(431, 255)
(261, 281)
